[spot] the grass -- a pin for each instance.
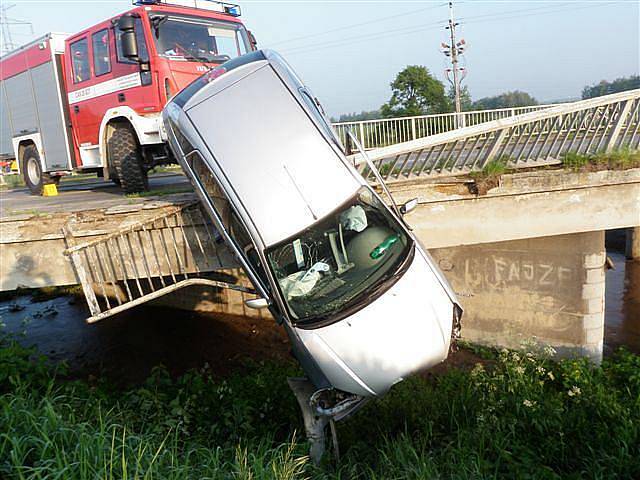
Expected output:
(518, 416)
(617, 160)
(489, 176)
(11, 181)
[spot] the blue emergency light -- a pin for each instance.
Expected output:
(213, 5)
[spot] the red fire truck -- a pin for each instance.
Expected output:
(91, 101)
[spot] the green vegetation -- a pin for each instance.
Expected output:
(605, 88)
(358, 117)
(11, 181)
(466, 103)
(514, 415)
(172, 168)
(617, 160)
(415, 91)
(512, 99)
(489, 176)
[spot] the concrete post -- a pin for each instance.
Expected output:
(633, 243)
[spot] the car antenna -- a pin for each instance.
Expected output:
(315, 217)
(375, 171)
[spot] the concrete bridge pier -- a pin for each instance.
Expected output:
(633, 243)
(550, 289)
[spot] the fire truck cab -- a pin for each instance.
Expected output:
(93, 99)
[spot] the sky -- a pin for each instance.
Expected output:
(348, 52)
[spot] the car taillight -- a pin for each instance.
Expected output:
(214, 73)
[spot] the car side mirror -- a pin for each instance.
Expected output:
(257, 303)
(409, 206)
(128, 41)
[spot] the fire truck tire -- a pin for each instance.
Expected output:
(125, 158)
(31, 169)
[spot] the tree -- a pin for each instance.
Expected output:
(605, 88)
(465, 99)
(357, 117)
(512, 99)
(415, 92)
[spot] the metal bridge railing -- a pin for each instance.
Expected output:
(585, 127)
(147, 260)
(388, 131)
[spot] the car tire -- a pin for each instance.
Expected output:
(126, 161)
(31, 169)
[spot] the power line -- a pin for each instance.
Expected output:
(415, 29)
(355, 25)
(5, 29)
(508, 15)
(363, 38)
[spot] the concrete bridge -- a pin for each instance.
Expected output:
(526, 256)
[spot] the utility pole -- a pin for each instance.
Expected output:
(5, 29)
(453, 50)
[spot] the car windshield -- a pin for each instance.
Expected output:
(182, 37)
(341, 260)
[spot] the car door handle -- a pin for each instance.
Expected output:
(76, 109)
(121, 97)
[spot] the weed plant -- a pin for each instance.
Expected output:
(517, 414)
(621, 159)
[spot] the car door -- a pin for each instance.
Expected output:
(235, 232)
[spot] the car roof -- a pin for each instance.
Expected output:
(266, 142)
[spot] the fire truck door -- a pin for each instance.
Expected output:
(83, 90)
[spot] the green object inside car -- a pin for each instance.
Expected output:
(384, 246)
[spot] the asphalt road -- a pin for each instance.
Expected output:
(91, 194)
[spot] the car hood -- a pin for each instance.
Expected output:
(406, 329)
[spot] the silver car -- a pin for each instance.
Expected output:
(362, 302)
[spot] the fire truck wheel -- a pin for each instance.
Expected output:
(32, 172)
(125, 158)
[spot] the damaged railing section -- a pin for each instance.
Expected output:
(147, 260)
(538, 138)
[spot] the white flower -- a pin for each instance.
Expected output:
(549, 350)
(519, 370)
(540, 369)
(550, 373)
(574, 391)
(515, 357)
(528, 403)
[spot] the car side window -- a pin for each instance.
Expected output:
(143, 52)
(80, 60)
(230, 220)
(101, 60)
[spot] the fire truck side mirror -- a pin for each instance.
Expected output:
(253, 40)
(128, 42)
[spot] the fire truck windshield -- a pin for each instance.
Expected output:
(190, 38)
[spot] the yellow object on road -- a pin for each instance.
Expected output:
(50, 190)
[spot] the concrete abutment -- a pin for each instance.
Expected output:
(550, 289)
